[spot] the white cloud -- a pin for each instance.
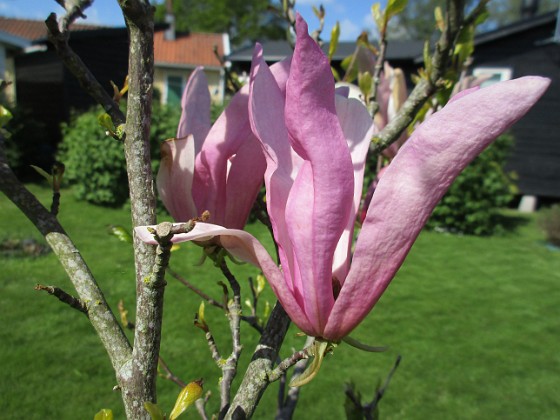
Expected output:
(368, 22)
(349, 30)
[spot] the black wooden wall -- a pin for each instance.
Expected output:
(536, 155)
(49, 92)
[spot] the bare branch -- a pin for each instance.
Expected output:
(64, 297)
(427, 86)
(201, 405)
(74, 10)
(99, 313)
(196, 290)
(229, 368)
(288, 363)
(169, 375)
(287, 406)
(255, 381)
(88, 82)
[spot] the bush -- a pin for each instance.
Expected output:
(95, 162)
(27, 144)
(549, 221)
(472, 202)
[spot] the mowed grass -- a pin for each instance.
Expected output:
(476, 321)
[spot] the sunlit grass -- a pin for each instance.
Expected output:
(476, 320)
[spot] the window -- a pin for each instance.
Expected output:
(492, 74)
(174, 90)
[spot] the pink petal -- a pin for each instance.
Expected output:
(231, 136)
(246, 247)
(266, 114)
(357, 127)
(175, 177)
(211, 167)
(416, 180)
(316, 135)
(195, 118)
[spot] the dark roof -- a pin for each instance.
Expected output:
(34, 30)
(277, 50)
(517, 27)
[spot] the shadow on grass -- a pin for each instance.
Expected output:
(511, 221)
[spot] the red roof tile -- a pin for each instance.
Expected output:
(194, 49)
(33, 29)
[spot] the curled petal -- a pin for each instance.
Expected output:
(416, 180)
(358, 128)
(175, 177)
(246, 247)
(320, 201)
(195, 102)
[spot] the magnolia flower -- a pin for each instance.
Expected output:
(392, 94)
(314, 144)
(215, 168)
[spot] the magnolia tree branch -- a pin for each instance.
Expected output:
(64, 297)
(58, 35)
(229, 368)
(149, 297)
(429, 85)
(74, 9)
(98, 311)
(287, 404)
(256, 378)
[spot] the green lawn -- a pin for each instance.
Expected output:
(476, 320)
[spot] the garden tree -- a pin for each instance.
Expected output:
(503, 12)
(243, 20)
(309, 145)
(417, 20)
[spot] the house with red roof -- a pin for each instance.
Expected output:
(44, 88)
(176, 55)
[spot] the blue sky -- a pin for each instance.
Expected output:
(353, 15)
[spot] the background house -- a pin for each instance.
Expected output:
(48, 93)
(402, 54)
(529, 47)
(10, 45)
(178, 54)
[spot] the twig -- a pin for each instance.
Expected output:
(373, 103)
(234, 83)
(255, 381)
(427, 86)
(201, 405)
(201, 323)
(195, 289)
(287, 405)
(59, 38)
(64, 297)
(369, 408)
(99, 313)
(229, 368)
(74, 9)
(169, 375)
(288, 363)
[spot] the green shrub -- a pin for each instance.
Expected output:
(472, 202)
(27, 144)
(549, 221)
(95, 162)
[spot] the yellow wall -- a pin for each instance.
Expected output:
(213, 76)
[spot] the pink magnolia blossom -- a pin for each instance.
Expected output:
(315, 143)
(217, 168)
